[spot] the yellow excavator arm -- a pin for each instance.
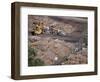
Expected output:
(38, 29)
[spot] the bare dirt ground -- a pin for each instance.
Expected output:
(56, 49)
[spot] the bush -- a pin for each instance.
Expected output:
(85, 38)
(85, 42)
(37, 62)
(32, 52)
(31, 55)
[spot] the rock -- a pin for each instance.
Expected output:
(61, 33)
(34, 38)
(56, 58)
(46, 30)
(62, 63)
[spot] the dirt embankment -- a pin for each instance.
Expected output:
(58, 50)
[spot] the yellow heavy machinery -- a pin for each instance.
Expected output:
(38, 28)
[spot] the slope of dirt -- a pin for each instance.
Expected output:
(59, 50)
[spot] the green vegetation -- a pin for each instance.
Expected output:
(38, 62)
(32, 61)
(85, 40)
(32, 51)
